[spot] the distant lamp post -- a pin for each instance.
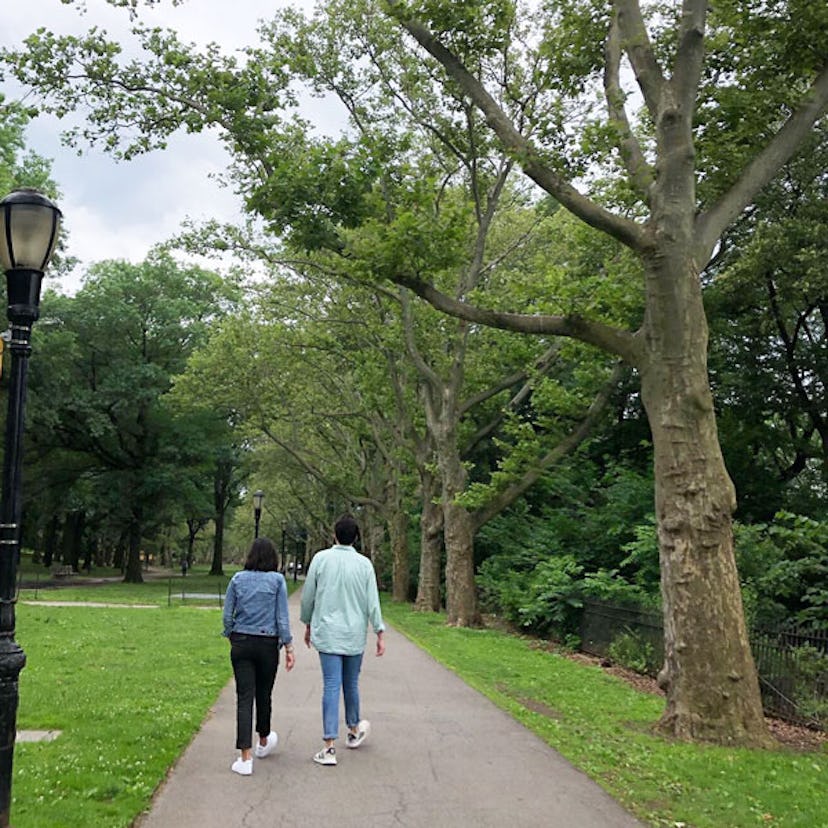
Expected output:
(29, 229)
(284, 534)
(258, 497)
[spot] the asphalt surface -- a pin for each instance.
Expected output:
(440, 755)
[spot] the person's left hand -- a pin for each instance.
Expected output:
(307, 635)
(290, 660)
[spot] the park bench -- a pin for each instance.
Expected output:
(62, 571)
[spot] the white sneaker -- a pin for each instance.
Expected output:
(326, 756)
(354, 740)
(242, 767)
(265, 750)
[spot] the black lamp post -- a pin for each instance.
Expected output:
(29, 228)
(284, 533)
(258, 497)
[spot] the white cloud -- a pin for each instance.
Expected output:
(120, 210)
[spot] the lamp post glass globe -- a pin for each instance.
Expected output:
(258, 497)
(29, 229)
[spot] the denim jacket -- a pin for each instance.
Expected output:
(256, 604)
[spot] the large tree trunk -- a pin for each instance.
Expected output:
(708, 674)
(461, 590)
(217, 567)
(398, 530)
(221, 485)
(431, 549)
(50, 540)
(133, 564)
(458, 532)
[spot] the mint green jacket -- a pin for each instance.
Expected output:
(339, 598)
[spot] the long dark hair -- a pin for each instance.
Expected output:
(262, 556)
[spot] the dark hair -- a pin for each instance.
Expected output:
(262, 556)
(346, 530)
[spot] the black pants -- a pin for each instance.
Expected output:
(255, 659)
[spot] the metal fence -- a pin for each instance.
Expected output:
(792, 662)
(179, 593)
(793, 673)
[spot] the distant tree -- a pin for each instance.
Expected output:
(768, 305)
(106, 359)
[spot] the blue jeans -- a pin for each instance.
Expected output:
(339, 672)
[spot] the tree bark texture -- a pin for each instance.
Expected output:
(708, 675)
(458, 529)
(461, 589)
(458, 526)
(429, 597)
(400, 576)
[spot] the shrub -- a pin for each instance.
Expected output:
(783, 568)
(631, 651)
(553, 597)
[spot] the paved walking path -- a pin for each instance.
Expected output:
(440, 755)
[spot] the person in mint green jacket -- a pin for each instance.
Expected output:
(339, 599)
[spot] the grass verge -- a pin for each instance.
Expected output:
(128, 688)
(602, 726)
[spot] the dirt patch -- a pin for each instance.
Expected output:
(530, 704)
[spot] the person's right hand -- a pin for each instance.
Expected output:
(380, 644)
(307, 635)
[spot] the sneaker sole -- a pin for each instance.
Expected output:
(354, 745)
(260, 752)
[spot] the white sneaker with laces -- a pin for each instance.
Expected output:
(326, 756)
(354, 740)
(242, 767)
(265, 750)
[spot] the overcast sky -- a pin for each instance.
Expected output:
(119, 210)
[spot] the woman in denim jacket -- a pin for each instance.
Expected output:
(256, 622)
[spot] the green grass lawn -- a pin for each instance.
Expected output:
(159, 587)
(128, 688)
(601, 725)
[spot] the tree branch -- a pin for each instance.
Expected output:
(687, 70)
(542, 365)
(423, 369)
(763, 168)
(613, 340)
(640, 172)
(509, 495)
(626, 231)
(636, 43)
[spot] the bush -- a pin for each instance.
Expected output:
(631, 651)
(783, 568)
(553, 597)
(540, 595)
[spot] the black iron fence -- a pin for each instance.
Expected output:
(792, 662)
